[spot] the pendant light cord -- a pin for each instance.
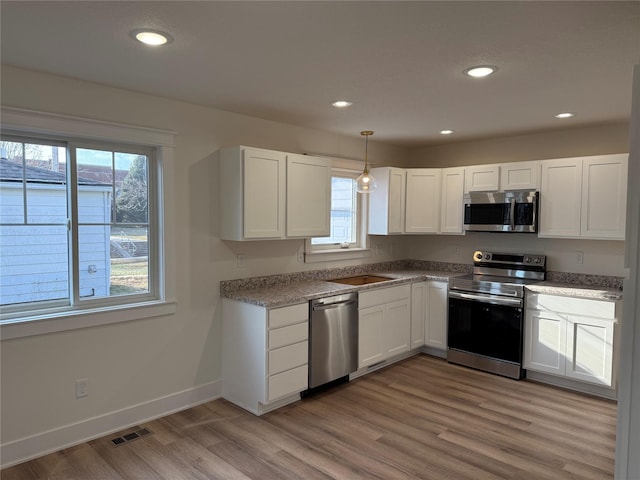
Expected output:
(366, 134)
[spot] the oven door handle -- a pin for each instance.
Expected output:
(492, 299)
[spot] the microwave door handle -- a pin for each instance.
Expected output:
(512, 213)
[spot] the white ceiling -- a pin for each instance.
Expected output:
(400, 63)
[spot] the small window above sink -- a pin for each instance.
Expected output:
(361, 280)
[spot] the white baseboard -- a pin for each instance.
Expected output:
(570, 384)
(434, 352)
(34, 446)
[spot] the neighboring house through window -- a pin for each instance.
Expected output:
(80, 223)
(75, 224)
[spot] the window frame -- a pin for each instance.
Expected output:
(83, 131)
(358, 249)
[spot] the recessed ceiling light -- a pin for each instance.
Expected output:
(151, 37)
(564, 115)
(480, 71)
(446, 132)
(341, 103)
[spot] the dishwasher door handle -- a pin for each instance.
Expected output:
(328, 306)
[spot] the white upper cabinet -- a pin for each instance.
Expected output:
(416, 200)
(584, 197)
(520, 176)
(451, 200)
(482, 178)
(265, 194)
(387, 203)
(560, 198)
(604, 196)
(252, 193)
(423, 200)
(308, 196)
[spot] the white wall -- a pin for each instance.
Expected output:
(131, 363)
(568, 142)
(602, 257)
(136, 362)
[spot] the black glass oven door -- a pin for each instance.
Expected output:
(491, 330)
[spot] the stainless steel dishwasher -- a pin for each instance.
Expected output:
(333, 338)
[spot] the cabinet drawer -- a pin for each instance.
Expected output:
(285, 358)
(280, 317)
(381, 296)
(280, 337)
(572, 305)
(286, 383)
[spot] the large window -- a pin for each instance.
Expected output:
(78, 225)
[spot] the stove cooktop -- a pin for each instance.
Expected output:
(492, 284)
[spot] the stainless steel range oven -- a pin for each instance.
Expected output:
(486, 312)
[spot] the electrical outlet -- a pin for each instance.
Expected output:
(300, 256)
(579, 258)
(241, 258)
(82, 388)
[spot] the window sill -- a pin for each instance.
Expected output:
(72, 320)
(336, 254)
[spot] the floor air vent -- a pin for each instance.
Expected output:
(129, 437)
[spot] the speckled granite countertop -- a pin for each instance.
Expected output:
(594, 292)
(284, 294)
(288, 289)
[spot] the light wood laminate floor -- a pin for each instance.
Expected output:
(420, 418)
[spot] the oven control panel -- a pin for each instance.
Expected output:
(513, 260)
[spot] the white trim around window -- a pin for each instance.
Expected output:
(41, 123)
(358, 249)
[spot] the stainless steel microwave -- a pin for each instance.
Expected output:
(513, 211)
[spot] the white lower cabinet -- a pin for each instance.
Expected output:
(429, 314)
(418, 299)
(384, 323)
(435, 320)
(265, 354)
(571, 337)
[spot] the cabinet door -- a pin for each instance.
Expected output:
(423, 200)
(590, 350)
(418, 303)
(387, 203)
(397, 327)
(545, 342)
(435, 334)
(451, 200)
(560, 198)
(264, 193)
(371, 333)
(604, 196)
(520, 176)
(308, 196)
(482, 178)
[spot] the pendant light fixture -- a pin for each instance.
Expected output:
(365, 183)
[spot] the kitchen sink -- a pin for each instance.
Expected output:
(361, 280)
